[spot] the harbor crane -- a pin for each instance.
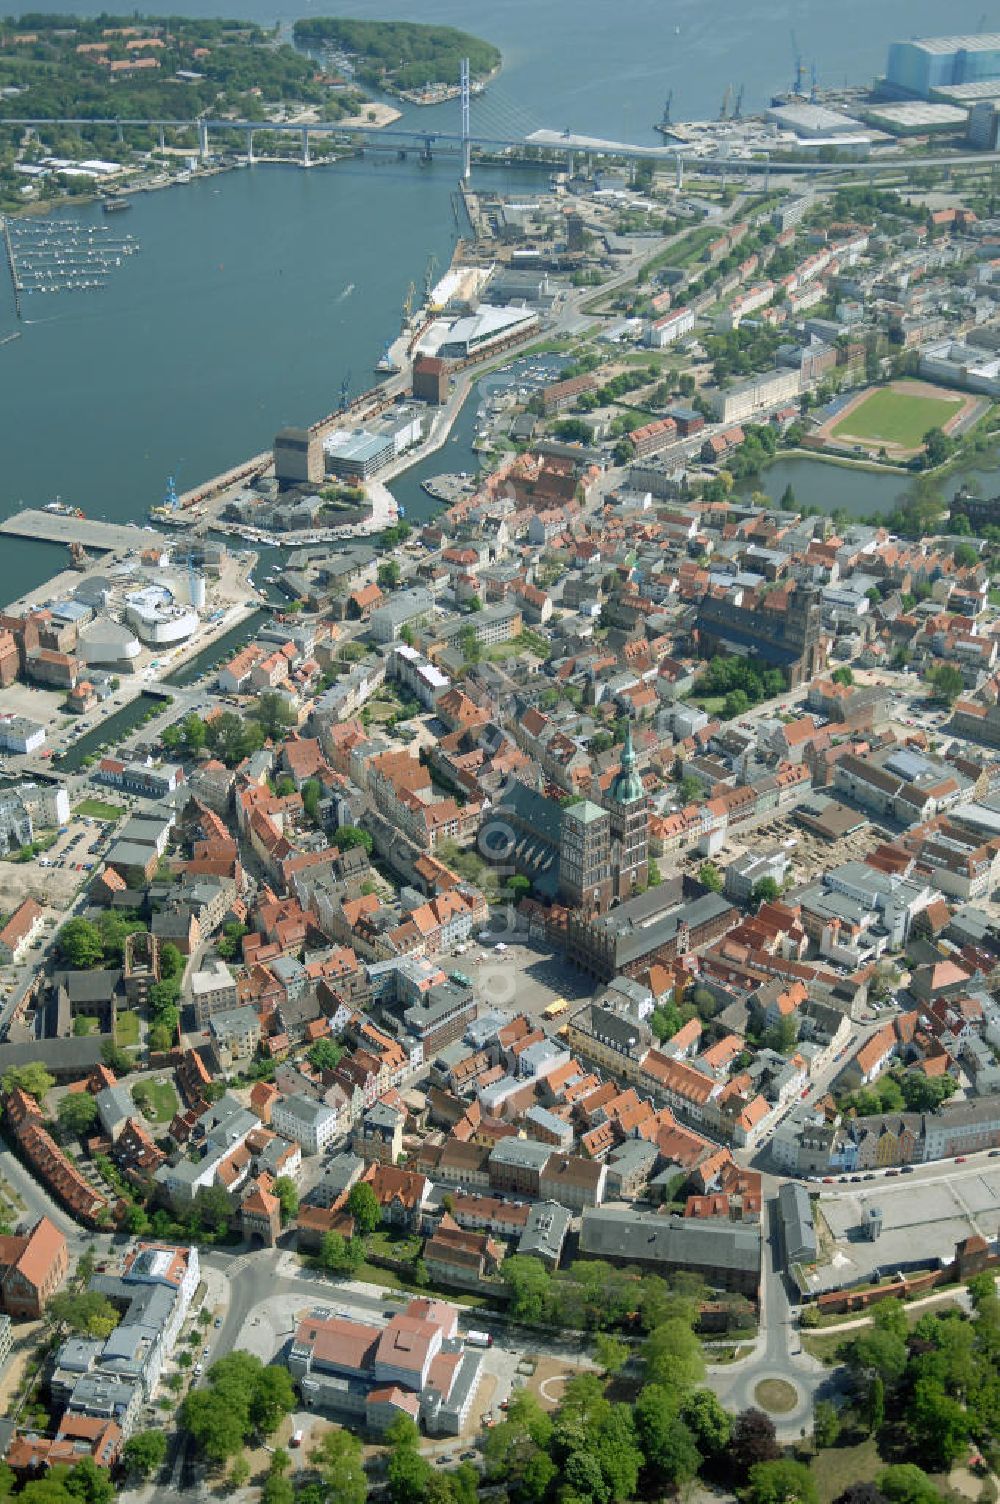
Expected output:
(738, 107)
(429, 274)
(345, 389)
(799, 65)
(726, 101)
(170, 498)
(666, 108)
(411, 293)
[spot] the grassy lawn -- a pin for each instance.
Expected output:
(776, 1396)
(127, 1029)
(710, 704)
(98, 810)
(888, 417)
(393, 1243)
(390, 1281)
(156, 1099)
(823, 1345)
(836, 1467)
(82, 1025)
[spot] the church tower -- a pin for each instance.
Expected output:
(629, 811)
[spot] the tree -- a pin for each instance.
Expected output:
(408, 1473)
(517, 1450)
(88, 1483)
(764, 890)
(349, 835)
(907, 1484)
(826, 1424)
(77, 1112)
(216, 1428)
(530, 1287)
(325, 1054)
(32, 1078)
(938, 1424)
(710, 876)
(672, 1357)
(781, 1036)
(875, 1404)
(879, 1351)
(84, 1311)
(843, 675)
(611, 1354)
(752, 1440)
(239, 1473)
(272, 1399)
(273, 714)
(312, 793)
(212, 1209)
(171, 961)
(277, 1490)
(707, 1421)
(667, 1442)
(340, 1255)
(284, 1189)
(362, 1203)
(144, 1452)
(946, 682)
(518, 887)
(389, 574)
(966, 556)
(338, 1457)
(781, 1482)
(79, 944)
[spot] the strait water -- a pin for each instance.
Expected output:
(256, 292)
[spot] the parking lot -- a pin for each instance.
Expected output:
(523, 977)
(56, 874)
(922, 1219)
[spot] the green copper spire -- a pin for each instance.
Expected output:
(627, 786)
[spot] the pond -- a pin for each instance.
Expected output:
(817, 483)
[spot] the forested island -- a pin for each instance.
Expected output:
(411, 59)
(166, 68)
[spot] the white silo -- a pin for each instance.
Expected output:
(196, 590)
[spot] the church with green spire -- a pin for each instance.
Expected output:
(628, 808)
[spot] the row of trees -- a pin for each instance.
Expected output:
(743, 681)
(83, 944)
(591, 1295)
(231, 737)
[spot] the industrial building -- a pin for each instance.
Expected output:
(158, 618)
(916, 67)
(358, 453)
(483, 329)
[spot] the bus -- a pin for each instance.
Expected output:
(554, 1009)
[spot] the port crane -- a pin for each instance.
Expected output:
(667, 107)
(170, 498)
(345, 388)
(738, 107)
(429, 274)
(799, 65)
(411, 293)
(726, 101)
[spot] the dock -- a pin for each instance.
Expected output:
(57, 527)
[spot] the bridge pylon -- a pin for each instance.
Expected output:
(466, 98)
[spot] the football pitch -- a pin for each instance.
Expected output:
(896, 418)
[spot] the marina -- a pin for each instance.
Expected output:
(62, 255)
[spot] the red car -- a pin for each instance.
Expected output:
(960, 1159)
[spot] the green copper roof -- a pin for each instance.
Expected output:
(627, 786)
(584, 813)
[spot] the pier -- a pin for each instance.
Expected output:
(12, 266)
(58, 527)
